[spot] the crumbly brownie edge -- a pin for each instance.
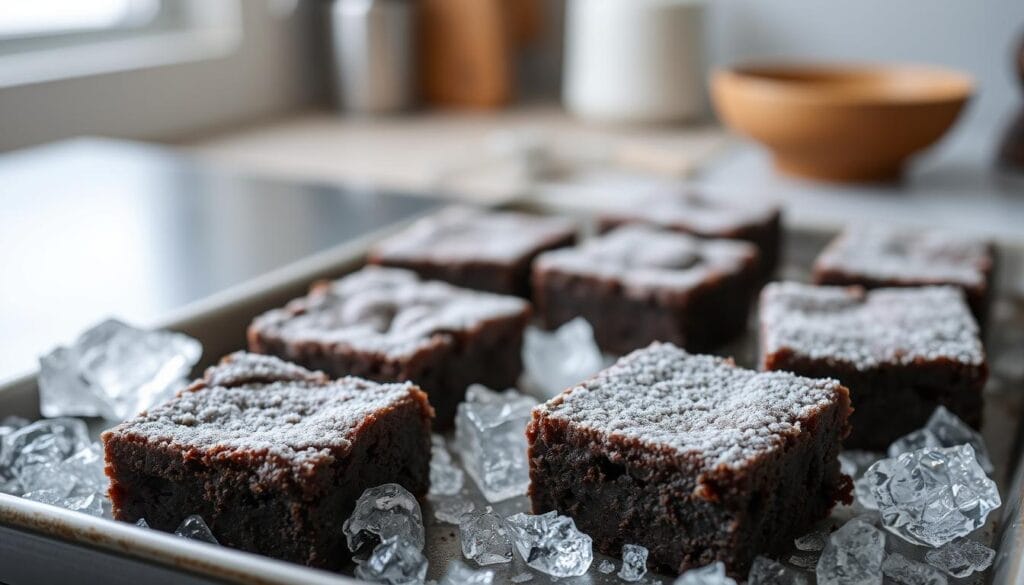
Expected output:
(291, 514)
(619, 491)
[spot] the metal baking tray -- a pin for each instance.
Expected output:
(45, 544)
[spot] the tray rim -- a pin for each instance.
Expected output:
(237, 566)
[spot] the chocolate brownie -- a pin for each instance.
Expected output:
(386, 324)
(875, 256)
(707, 217)
(900, 351)
(637, 284)
(271, 455)
(470, 248)
(690, 456)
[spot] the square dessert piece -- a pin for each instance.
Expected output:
(271, 455)
(474, 249)
(637, 284)
(885, 256)
(900, 351)
(386, 324)
(707, 217)
(690, 456)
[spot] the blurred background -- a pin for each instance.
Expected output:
(156, 152)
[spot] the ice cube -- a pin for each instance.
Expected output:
(713, 574)
(141, 523)
(634, 562)
(451, 510)
(522, 578)
(903, 570)
(562, 358)
(383, 512)
(395, 561)
(944, 429)
(933, 495)
(459, 574)
(445, 478)
(490, 435)
(812, 541)
(765, 571)
(115, 371)
(551, 544)
(607, 567)
(42, 443)
(486, 539)
(195, 527)
(962, 557)
(853, 555)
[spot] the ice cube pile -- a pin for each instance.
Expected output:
(491, 441)
(932, 495)
(562, 358)
(385, 531)
(115, 371)
(944, 429)
(52, 461)
(551, 544)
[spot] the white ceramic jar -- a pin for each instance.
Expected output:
(635, 61)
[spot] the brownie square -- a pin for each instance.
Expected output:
(876, 256)
(637, 284)
(470, 248)
(690, 456)
(900, 351)
(271, 455)
(387, 325)
(707, 217)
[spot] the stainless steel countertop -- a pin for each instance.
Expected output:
(93, 228)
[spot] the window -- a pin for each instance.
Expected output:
(47, 40)
(49, 17)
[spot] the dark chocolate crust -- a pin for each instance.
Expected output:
(263, 502)
(693, 502)
(509, 278)
(697, 319)
(893, 399)
(489, 354)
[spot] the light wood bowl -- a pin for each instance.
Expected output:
(840, 122)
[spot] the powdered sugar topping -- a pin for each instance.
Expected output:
(288, 423)
(907, 255)
(385, 310)
(701, 407)
(467, 234)
(866, 329)
(642, 257)
(243, 367)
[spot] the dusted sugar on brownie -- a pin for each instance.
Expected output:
(875, 256)
(691, 457)
(704, 216)
(637, 284)
(272, 456)
(490, 251)
(901, 351)
(386, 324)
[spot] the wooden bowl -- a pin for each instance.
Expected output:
(840, 122)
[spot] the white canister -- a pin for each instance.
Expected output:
(634, 60)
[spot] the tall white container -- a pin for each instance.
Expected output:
(637, 61)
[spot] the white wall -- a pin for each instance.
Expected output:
(275, 68)
(978, 36)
